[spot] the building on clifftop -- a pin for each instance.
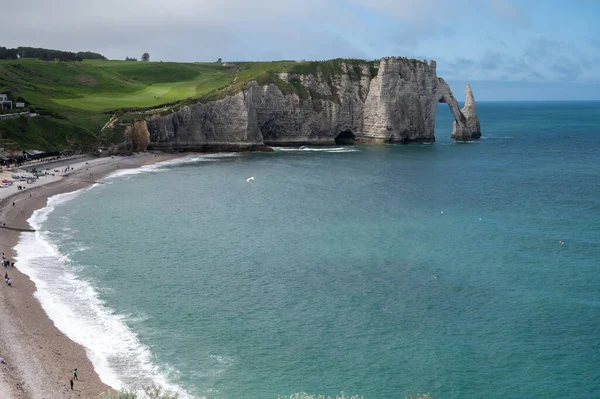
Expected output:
(5, 103)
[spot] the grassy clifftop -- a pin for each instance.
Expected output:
(86, 94)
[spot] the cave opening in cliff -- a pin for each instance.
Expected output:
(345, 138)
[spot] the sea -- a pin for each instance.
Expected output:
(462, 270)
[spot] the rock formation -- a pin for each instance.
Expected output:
(138, 135)
(394, 101)
(471, 128)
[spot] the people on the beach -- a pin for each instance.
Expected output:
(75, 374)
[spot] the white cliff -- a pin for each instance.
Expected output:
(392, 102)
(471, 128)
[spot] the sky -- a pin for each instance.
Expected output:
(506, 49)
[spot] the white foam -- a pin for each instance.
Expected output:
(317, 149)
(165, 165)
(75, 308)
(492, 137)
(466, 142)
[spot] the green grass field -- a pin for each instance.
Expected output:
(149, 96)
(97, 85)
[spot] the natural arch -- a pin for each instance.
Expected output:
(454, 108)
(466, 123)
(345, 138)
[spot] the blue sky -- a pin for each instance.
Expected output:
(507, 49)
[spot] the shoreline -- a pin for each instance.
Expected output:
(39, 357)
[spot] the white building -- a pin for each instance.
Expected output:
(4, 102)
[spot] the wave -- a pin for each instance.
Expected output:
(304, 395)
(466, 142)
(73, 304)
(167, 165)
(492, 137)
(316, 149)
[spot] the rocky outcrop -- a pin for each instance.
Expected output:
(137, 136)
(392, 101)
(470, 128)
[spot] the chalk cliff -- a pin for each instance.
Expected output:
(392, 101)
(471, 128)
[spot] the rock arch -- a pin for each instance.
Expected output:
(466, 126)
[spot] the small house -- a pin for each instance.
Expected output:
(4, 102)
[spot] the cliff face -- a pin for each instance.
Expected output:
(398, 105)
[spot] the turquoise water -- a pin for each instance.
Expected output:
(375, 270)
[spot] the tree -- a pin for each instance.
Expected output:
(88, 55)
(219, 60)
(146, 57)
(8, 53)
(130, 59)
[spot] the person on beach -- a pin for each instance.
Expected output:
(2, 360)
(75, 374)
(9, 282)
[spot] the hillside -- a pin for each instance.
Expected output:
(79, 98)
